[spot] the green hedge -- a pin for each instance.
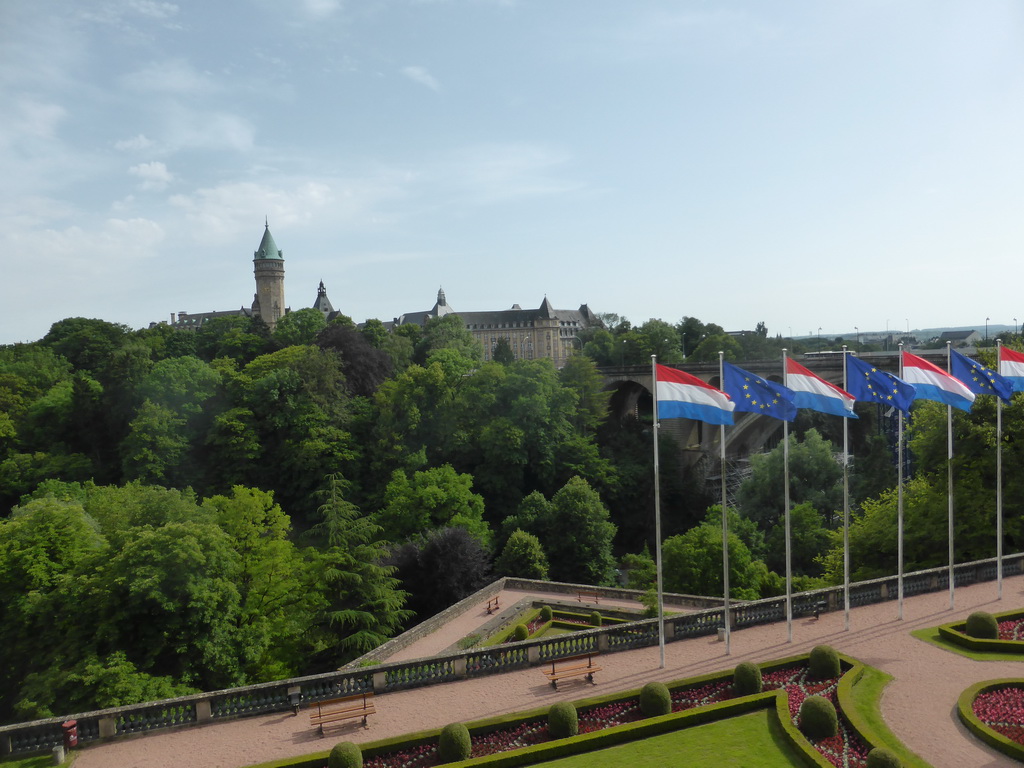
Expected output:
(965, 709)
(955, 632)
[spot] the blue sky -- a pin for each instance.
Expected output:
(806, 164)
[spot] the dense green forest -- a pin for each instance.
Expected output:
(192, 510)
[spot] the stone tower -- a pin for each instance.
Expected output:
(268, 267)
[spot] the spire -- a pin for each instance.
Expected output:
(440, 298)
(268, 248)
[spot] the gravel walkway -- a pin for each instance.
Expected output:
(919, 705)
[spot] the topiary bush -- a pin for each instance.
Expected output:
(520, 632)
(454, 743)
(596, 619)
(746, 679)
(345, 754)
(824, 662)
(545, 613)
(563, 721)
(818, 719)
(982, 625)
(880, 757)
(655, 700)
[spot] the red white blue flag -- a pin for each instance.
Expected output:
(932, 383)
(814, 393)
(683, 396)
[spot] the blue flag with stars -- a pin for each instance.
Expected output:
(753, 394)
(979, 379)
(869, 384)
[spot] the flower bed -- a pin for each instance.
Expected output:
(1012, 629)
(846, 750)
(1002, 710)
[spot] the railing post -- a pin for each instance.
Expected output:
(380, 682)
(459, 666)
(108, 727)
(602, 642)
(533, 655)
(204, 711)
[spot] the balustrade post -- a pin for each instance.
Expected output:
(459, 666)
(108, 727)
(602, 642)
(884, 589)
(533, 655)
(380, 682)
(204, 711)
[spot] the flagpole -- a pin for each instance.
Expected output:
(725, 517)
(846, 507)
(949, 483)
(999, 482)
(785, 485)
(899, 502)
(657, 516)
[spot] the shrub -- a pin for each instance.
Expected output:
(468, 641)
(545, 613)
(746, 679)
(520, 632)
(655, 700)
(562, 720)
(982, 625)
(818, 719)
(454, 743)
(595, 619)
(880, 757)
(824, 662)
(345, 754)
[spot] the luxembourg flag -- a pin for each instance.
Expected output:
(682, 396)
(1011, 368)
(932, 383)
(813, 392)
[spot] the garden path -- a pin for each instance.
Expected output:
(919, 705)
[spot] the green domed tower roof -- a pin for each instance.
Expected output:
(268, 248)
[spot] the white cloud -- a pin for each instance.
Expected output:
(497, 172)
(421, 76)
(154, 176)
(321, 8)
(154, 10)
(134, 144)
(75, 251)
(196, 129)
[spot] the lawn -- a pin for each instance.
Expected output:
(755, 739)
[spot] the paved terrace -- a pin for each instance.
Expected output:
(919, 705)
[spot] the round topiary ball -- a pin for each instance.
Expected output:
(655, 700)
(345, 754)
(818, 719)
(545, 613)
(746, 679)
(824, 662)
(562, 720)
(454, 743)
(982, 625)
(520, 632)
(595, 619)
(880, 757)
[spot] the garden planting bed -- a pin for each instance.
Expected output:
(1011, 634)
(609, 720)
(994, 712)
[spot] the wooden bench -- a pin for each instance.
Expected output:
(574, 666)
(805, 609)
(492, 604)
(333, 711)
(596, 597)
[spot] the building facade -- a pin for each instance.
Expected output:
(531, 333)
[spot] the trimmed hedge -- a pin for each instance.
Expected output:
(596, 619)
(563, 721)
(520, 632)
(823, 663)
(454, 744)
(655, 700)
(345, 754)
(818, 718)
(545, 613)
(746, 679)
(982, 625)
(965, 708)
(880, 757)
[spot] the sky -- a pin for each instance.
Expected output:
(804, 164)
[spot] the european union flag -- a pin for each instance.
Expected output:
(979, 379)
(753, 394)
(869, 384)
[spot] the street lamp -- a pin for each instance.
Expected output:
(819, 338)
(1015, 326)
(986, 327)
(858, 334)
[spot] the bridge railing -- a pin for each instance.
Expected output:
(282, 695)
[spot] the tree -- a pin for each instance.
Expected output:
(692, 564)
(661, 339)
(365, 366)
(809, 540)
(448, 332)
(361, 603)
(299, 327)
(440, 569)
(86, 344)
(438, 497)
(523, 557)
(707, 350)
(814, 476)
(502, 352)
